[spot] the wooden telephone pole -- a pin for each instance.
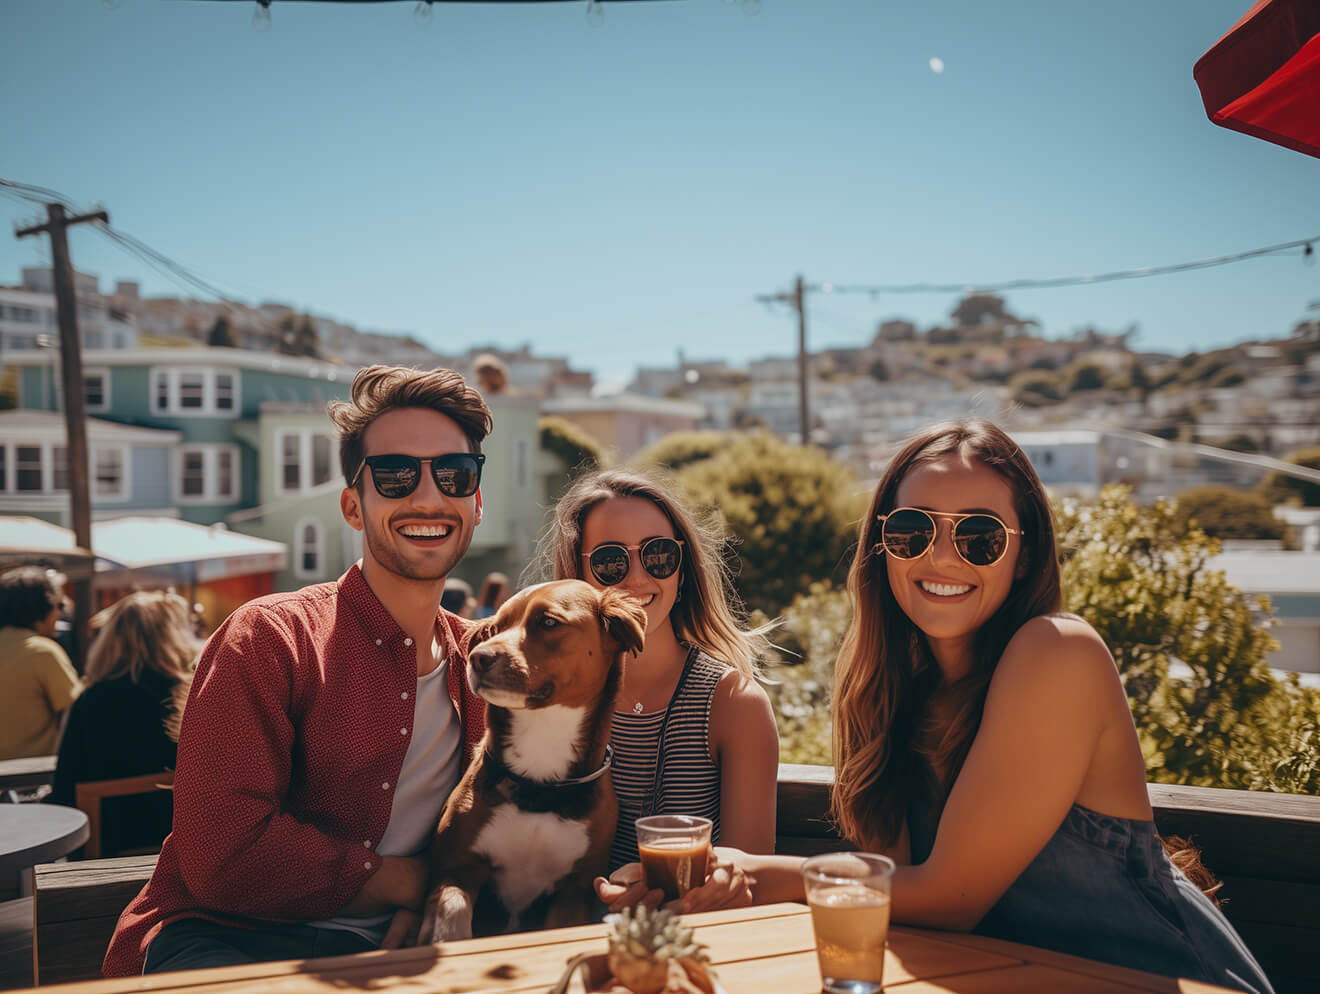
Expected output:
(798, 298)
(75, 403)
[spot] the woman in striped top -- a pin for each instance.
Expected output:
(693, 733)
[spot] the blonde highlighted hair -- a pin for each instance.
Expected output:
(708, 612)
(145, 630)
(885, 675)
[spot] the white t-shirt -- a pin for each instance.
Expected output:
(431, 768)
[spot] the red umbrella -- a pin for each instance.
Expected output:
(1263, 77)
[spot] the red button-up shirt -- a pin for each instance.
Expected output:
(288, 761)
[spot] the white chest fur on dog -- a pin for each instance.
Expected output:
(543, 743)
(529, 852)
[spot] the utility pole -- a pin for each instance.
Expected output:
(798, 298)
(75, 403)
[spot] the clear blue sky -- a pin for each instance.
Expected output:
(512, 174)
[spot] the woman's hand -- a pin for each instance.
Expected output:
(625, 887)
(727, 885)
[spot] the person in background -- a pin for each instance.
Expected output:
(37, 681)
(491, 374)
(457, 598)
(693, 732)
(494, 592)
(983, 738)
(139, 666)
(327, 726)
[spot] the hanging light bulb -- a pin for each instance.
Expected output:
(261, 16)
(422, 12)
(595, 13)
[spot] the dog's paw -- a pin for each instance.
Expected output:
(447, 915)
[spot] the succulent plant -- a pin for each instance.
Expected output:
(644, 942)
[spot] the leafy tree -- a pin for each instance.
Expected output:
(299, 337)
(222, 335)
(1189, 648)
(879, 370)
(1036, 388)
(1228, 376)
(1086, 376)
(575, 447)
(1281, 489)
(1223, 512)
(791, 509)
(682, 448)
(809, 637)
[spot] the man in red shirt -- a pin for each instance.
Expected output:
(326, 727)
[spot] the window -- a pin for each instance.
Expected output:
(108, 472)
(192, 391)
(308, 548)
(60, 459)
(208, 473)
(93, 339)
(195, 391)
(27, 468)
(224, 391)
(306, 460)
(96, 389)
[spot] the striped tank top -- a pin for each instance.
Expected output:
(688, 781)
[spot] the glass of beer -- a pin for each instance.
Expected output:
(848, 893)
(673, 852)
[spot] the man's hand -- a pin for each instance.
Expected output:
(403, 929)
(399, 883)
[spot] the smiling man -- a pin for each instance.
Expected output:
(326, 727)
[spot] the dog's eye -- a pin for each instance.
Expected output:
(549, 622)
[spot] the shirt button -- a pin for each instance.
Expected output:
(403, 731)
(378, 641)
(385, 786)
(366, 866)
(407, 641)
(367, 844)
(404, 695)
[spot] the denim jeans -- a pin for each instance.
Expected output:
(195, 943)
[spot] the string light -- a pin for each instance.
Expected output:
(261, 16)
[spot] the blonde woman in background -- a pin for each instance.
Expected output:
(138, 672)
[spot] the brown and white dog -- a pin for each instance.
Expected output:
(530, 824)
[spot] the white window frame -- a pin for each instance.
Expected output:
(171, 379)
(211, 493)
(306, 463)
(9, 454)
(104, 374)
(299, 546)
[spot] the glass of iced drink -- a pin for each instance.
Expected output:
(848, 894)
(673, 852)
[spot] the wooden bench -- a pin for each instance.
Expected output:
(1265, 847)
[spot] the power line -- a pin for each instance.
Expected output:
(1060, 281)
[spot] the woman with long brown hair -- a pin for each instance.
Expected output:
(982, 738)
(692, 733)
(124, 723)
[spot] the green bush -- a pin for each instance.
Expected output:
(576, 449)
(682, 448)
(791, 510)
(1278, 488)
(813, 626)
(1222, 512)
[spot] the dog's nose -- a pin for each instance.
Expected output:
(481, 658)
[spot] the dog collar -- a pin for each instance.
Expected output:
(522, 781)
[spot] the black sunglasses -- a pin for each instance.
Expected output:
(610, 562)
(907, 532)
(456, 474)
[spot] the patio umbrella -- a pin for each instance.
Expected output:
(1263, 77)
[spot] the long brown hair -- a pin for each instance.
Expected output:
(708, 612)
(144, 630)
(885, 675)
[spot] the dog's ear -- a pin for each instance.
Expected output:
(476, 634)
(623, 619)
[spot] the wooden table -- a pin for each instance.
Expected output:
(36, 833)
(766, 950)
